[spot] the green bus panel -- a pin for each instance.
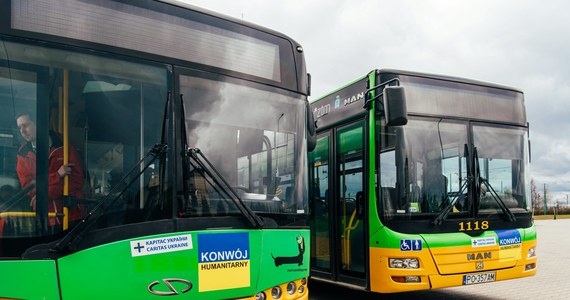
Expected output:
(386, 238)
(28, 279)
(201, 265)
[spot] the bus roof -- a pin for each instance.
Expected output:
(448, 78)
(188, 6)
(423, 75)
(347, 102)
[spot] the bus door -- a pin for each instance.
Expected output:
(319, 171)
(337, 225)
(349, 197)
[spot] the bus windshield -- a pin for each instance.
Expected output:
(439, 168)
(256, 149)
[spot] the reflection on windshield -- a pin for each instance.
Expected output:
(501, 163)
(250, 136)
(205, 186)
(424, 169)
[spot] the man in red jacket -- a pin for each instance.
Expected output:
(57, 170)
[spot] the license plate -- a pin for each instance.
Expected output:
(479, 278)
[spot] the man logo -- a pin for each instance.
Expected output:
(152, 287)
(479, 256)
(479, 265)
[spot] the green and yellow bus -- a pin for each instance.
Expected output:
(420, 182)
(150, 149)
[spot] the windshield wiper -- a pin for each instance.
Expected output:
(498, 199)
(77, 233)
(445, 212)
(494, 194)
(204, 164)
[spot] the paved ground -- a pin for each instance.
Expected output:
(551, 282)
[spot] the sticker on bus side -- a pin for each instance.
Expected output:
(161, 245)
(483, 242)
(508, 237)
(510, 244)
(223, 261)
(411, 245)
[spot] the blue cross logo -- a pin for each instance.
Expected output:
(139, 247)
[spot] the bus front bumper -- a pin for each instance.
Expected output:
(442, 281)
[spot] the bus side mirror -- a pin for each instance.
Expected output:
(395, 106)
(311, 129)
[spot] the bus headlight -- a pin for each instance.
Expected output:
(276, 292)
(531, 253)
(260, 296)
(404, 263)
(291, 288)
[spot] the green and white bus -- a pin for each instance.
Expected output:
(420, 182)
(180, 139)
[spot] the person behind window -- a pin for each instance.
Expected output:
(26, 169)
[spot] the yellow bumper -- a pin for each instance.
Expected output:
(384, 279)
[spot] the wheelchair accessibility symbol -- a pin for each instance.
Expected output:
(411, 245)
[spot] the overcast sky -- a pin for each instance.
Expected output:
(524, 44)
